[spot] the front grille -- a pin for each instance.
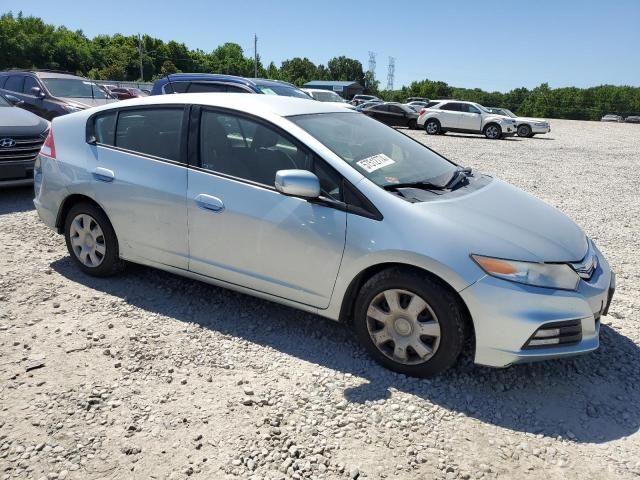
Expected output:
(25, 148)
(556, 334)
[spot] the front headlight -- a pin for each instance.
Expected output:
(547, 275)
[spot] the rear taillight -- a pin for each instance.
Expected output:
(48, 148)
(422, 110)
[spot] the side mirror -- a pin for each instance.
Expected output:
(297, 183)
(14, 100)
(37, 92)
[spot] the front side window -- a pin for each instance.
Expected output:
(73, 88)
(396, 109)
(471, 109)
(240, 147)
(29, 83)
(206, 87)
(152, 131)
(382, 154)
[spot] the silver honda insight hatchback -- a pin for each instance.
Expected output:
(328, 211)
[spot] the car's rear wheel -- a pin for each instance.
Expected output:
(524, 131)
(409, 322)
(91, 240)
(432, 127)
(493, 131)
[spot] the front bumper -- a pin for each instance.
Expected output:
(540, 130)
(506, 315)
(15, 173)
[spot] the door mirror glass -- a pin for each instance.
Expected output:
(297, 183)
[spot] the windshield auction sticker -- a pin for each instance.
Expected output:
(375, 162)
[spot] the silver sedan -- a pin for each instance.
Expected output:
(328, 211)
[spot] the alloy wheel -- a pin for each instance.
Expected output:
(493, 131)
(432, 128)
(403, 327)
(87, 240)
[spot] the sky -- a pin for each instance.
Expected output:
(465, 43)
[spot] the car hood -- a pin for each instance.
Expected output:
(532, 120)
(88, 102)
(15, 121)
(503, 221)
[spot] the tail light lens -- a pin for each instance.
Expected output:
(422, 110)
(48, 148)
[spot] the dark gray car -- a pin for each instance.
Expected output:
(21, 136)
(50, 94)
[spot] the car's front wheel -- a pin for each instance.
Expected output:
(412, 124)
(91, 240)
(409, 322)
(432, 127)
(493, 131)
(524, 131)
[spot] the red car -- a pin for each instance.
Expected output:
(122, 93)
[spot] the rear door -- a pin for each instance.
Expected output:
(449, 115)
(243, 231)
(140, 180)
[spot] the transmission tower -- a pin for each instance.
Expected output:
(391, 73)
(372, 62)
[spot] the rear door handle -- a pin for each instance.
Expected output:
(209, 202)
(103, 174)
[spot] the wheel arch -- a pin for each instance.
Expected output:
(351, 293)
(68, 203)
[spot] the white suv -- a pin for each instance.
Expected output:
(465, 117)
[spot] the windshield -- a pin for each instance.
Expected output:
(3, 102)
(484, 109)
(380, 153)
(284, 90)
(70, 87)
(327, 96)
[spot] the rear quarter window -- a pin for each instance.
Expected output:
(105, 128)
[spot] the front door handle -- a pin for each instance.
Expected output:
(209, 202)
(103, 174)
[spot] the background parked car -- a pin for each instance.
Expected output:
(328, 96)
(417, 105)
(21, 136)
(612, 118)
(210, 82)
(465, 117)
(633, 119)
(124, 93)
(358, 99)
(364, 105)
(393, 114)
(416, 99)
(50, 94)
(525, 127)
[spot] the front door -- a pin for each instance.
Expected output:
(242, 231)
(140, 182)
(470, 118)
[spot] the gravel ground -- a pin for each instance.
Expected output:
(149, 375)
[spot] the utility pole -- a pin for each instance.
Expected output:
(391, 73)
(255, 55)
(140, 52)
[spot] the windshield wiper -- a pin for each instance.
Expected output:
(418, 184)
(458, 176)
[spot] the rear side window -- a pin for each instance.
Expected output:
(152, 131)
(105, 128)
(15, 83)
(3, 79)
(455, 107)
(176, 87)
(431, 104)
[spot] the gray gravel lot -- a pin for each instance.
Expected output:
(148, 375)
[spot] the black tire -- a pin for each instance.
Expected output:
(446, 306)
(432, 126)
(524, 131)
(110, 263)
(492, 131)
(413, 124)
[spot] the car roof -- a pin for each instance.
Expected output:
(257, 104)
